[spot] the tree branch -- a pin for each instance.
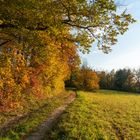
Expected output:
(5, 42)
(67, 9)
(76, 25)
(4, 26)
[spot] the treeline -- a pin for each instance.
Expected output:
(88, 79)
(122, 80)
(39, 42)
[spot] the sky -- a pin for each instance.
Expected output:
(126, 53)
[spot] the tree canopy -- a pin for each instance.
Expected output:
(39, 41)
(78, 21)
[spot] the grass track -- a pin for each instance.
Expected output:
(104, 115)
(29, 124)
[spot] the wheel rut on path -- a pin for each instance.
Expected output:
(48, 124)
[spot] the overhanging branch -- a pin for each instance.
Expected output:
(4, 26)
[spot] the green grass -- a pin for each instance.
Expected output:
(104, 115)
(36, 117)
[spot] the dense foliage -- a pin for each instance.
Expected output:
(39, 42)
(123, 79)
(84, 79)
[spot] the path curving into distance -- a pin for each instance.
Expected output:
(48, 124)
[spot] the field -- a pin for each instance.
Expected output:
(103, 115)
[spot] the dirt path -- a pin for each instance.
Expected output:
(47, 125)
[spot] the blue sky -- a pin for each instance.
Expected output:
(126, 53)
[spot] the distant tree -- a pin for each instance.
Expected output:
(103, 80)
(86, 79)
(119, 80)
(111, 75)
(137, 78)
(124, 80)
(106, 79)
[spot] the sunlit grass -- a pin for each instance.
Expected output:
(104, 115)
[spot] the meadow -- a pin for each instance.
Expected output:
(103, 115)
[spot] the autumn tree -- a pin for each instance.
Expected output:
(39, 41)
(84, 79)
(92, 21)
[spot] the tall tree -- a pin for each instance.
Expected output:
(39, 40)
